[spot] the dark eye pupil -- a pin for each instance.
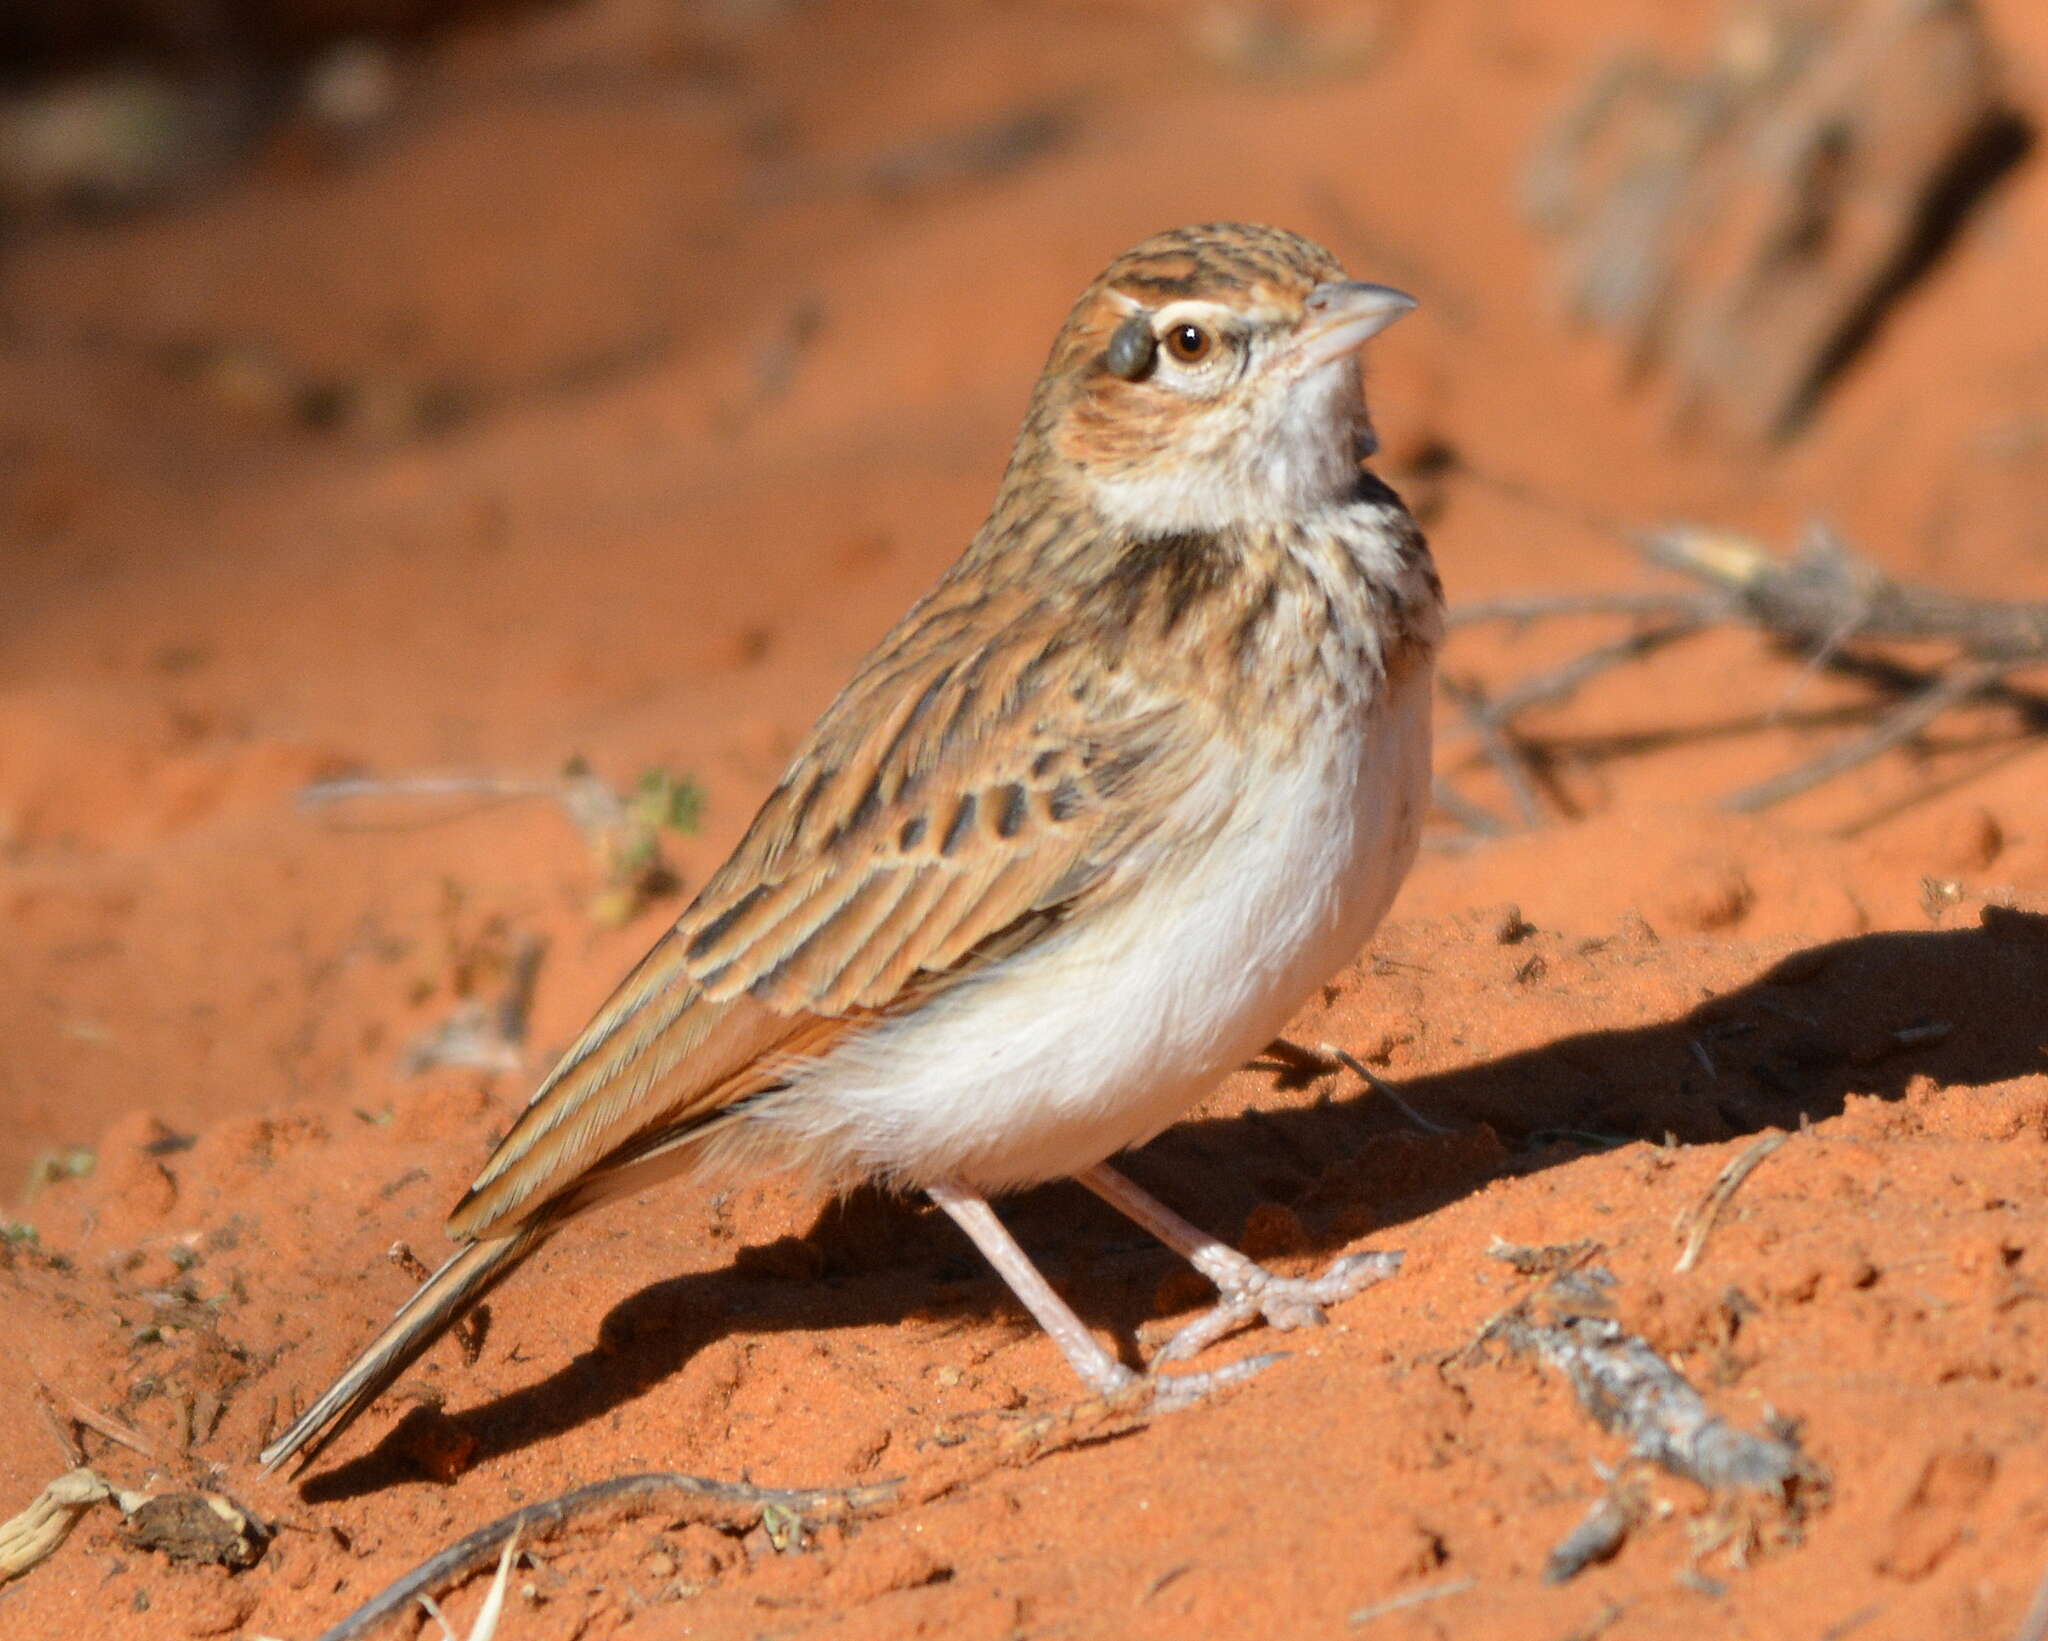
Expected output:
(1188, 341)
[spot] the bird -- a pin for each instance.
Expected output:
(1145, 766)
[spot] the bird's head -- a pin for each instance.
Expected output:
(1210, 377)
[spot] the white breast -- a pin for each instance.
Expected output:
(1097, 1038)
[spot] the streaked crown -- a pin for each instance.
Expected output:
(1206, 377)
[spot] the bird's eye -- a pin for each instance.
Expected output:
(1188, 343)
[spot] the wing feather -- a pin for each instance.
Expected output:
(944, 813)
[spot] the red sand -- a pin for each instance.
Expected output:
(636, 548)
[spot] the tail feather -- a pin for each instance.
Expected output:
(442, 1298)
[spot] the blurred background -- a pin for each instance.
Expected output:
(529, 413)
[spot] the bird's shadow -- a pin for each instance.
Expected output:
(1867, 1014)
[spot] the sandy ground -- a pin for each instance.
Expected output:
(665, 385)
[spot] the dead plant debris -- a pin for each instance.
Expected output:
(206, 1529)
(1762, 1487)
(1744, 224)
(734, 1507)
(1827, 604)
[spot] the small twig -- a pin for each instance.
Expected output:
(1823, 600)
(1564, 681)
(1384, 1089)
(1809, 596)
(1697, 1223)
(1411, 1598)
(735, 1503)
(1480, 822)
(493, 788)
(486, 1626)
(1548, 606)
(113, 1429)
(67, 1442)
(1899, 726)
(1844, 1627)
(1302, 1059)
(1499, 748)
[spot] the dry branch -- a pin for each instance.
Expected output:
(731, 1504)
(1824, 601)
(1632, 1391)
(1825, 596)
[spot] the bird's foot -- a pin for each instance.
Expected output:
(1284, 1302)
(1173, 1391)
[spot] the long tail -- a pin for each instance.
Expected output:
(442, 1298)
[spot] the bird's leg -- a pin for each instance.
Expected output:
(1247, 1288)
(1102, 1372)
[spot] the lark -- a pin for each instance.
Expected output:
(1146, 765)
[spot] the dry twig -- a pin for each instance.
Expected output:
(1825, 593)
(1410, 1598)
(1823, 601)
(1499, 746)
(486, 1626)
(733, 1504)
(81, 1414)
(1322, 1058)
(1697, 1223)
(1631, 1390)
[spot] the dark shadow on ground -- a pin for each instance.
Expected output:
(1863, 1015)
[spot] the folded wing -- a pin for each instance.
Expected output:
(954, 804)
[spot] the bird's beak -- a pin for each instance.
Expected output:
(1342, 313)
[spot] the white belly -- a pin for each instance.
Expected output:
(1097, 1038)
